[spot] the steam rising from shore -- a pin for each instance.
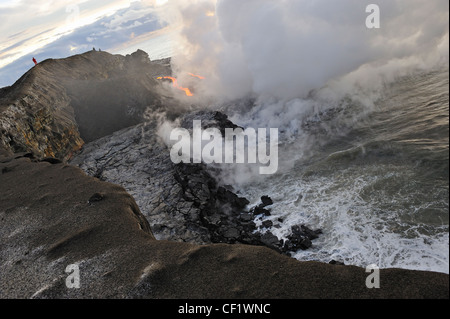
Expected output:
(297, 58)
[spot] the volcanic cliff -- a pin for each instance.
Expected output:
(57, 106)
(89, 115)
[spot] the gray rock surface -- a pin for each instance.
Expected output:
(138, 160)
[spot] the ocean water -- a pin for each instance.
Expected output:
(158, 46)
(374, 179)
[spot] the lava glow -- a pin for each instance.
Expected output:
(197, 76)
(175, 84)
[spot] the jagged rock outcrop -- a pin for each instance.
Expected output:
(34, 120)
(59, 105)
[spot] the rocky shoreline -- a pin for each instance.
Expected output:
(189, 204)
(168, 231)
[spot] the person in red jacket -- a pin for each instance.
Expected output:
(35, 62)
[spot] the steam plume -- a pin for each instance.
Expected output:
(286, 48)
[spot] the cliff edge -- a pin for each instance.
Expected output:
(60, 104)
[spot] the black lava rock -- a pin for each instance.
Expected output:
(300, 238)
(259, 210)
(224, 215)
(271, 241)
(232, 233)
(266, 201)
(246, 217)
(228, 196)
(267, 223)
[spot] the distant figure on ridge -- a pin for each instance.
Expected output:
(35, 62)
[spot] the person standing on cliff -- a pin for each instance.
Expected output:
(35, 62)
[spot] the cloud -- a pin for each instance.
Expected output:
(63, 33)
(40, 23)
(287, 48)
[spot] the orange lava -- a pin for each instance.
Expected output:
(197, 76)
(175, 84)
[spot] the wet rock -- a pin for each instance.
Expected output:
(311, 234)
(304, 231)
(271, 241)
(249, 227)
(305, 244)
(301, 238)
(297, 231)
(259, 210)
(266, 201)
(267, 224)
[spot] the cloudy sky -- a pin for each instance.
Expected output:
(55, 29)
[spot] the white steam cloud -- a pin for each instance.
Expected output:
(297, 57)
(286, 48)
